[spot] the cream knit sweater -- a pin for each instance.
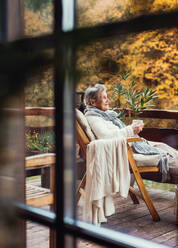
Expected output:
(106, 129)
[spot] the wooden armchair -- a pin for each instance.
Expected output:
(39, 196)
(83, 140)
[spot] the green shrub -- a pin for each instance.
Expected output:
(42, 142)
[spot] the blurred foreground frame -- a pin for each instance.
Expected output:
(30, 57)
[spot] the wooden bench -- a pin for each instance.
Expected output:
(38, 196)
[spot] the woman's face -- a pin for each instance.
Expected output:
(102, 102)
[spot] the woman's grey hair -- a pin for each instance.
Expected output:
(93, 93)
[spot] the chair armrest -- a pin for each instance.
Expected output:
(133, 139)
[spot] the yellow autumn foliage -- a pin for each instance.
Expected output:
(150, 57)
(164, 5)
(38, 22)
(94, 12)
(40, 91)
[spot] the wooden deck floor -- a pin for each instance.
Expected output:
(131, 219)
(136, 220)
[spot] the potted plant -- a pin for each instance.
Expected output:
(130, 96)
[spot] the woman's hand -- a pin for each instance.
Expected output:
(137, 127)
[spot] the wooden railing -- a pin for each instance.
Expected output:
(151, 113)
(154, 113)
(48, 111)
(167, 135)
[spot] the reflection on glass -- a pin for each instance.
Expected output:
(40, 140)
(68, 15)
(148, 60)
(37, 235)
(94, 12)
(38, 17)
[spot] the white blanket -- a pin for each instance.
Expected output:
(107, 173)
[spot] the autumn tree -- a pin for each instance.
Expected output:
(150, 57)
(38, 20)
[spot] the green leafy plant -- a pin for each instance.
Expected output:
(120, 90)
(130, 96)
(139, 100)
(40, 142)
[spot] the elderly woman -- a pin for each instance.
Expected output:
(105, 124)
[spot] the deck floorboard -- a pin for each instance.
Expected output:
(129, 218)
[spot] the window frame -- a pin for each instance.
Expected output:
(57, 221)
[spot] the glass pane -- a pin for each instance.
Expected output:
(128, 63)
(40, 139)
(37, 235)
(94, 12)
(147, 59)
(38, 17)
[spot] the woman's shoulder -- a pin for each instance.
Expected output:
(93, 117)
(99, 121)
(96, 120)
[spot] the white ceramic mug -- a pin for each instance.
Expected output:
(140, 122)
